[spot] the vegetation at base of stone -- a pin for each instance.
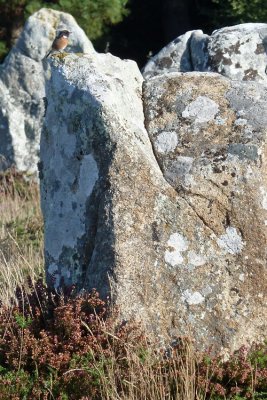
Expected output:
(21, 232)
(17, 185)
(54, 346)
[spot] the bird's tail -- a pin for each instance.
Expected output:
(48, 54)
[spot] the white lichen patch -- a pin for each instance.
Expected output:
(220, 121)
(240, 122)
(203, 109)
(166, 142)
(174, 257)
(179, 244)
(192, 298)
(263, 197)
(231, 242)
(206, 290)
(195, 259)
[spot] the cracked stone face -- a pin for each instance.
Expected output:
(218, 167)
(166, 211)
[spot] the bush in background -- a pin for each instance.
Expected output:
(239, 11)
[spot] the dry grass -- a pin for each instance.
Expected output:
(150, 375)
(21, 236)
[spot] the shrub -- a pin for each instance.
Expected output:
(54, 346)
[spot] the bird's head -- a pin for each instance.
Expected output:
(64, 33)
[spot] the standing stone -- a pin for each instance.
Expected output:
(22, 87)
(179, 240)
(209, 137)
(96, 165)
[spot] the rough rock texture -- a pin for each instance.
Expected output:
(98, 176)
(180, 238)
(176, 56)
(209, 137)
(238, 52)
(22, 84)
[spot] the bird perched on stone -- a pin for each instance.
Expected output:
(60, 42)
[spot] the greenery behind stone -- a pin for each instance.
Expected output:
(142, 31)
(93, 16)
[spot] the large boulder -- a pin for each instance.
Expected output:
(22, 86)
(238, 52)
(176, 234)
(209, 137)
(96, 164)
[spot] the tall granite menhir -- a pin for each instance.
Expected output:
(159, 197)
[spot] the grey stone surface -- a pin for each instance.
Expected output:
(176, 234)
(238, 52)
(93, 135)
(22, 85)
(199, 51)
(172, 58)
(218, 166)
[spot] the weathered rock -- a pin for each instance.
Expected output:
(95, 155)
(172, 58)
(183, 246)
(209, 137)
(22, 86)
(238, 52)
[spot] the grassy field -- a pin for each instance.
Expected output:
(54, 347)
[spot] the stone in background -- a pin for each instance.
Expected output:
(238, 52)
(22, 86)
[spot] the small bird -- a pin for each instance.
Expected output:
(61, 42)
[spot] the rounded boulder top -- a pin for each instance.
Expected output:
(41, 29)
